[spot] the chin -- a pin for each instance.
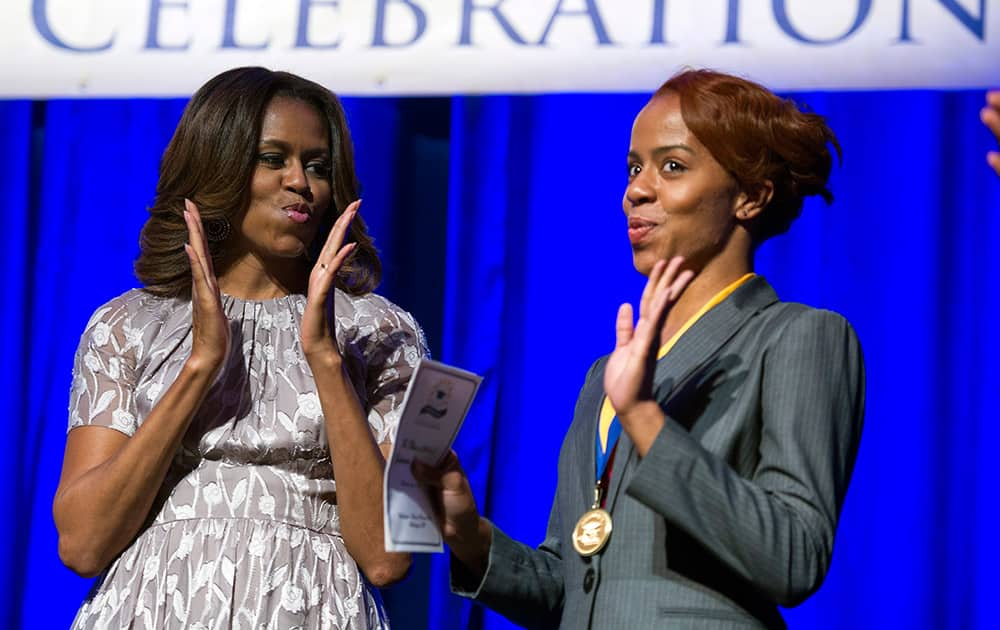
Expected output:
(643, 263)
(644, 259)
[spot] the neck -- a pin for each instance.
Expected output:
(250, 278)
(718, 274)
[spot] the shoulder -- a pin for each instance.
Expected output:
(801, 330)
(377, 320)
(794, 318)
(126, 318)
(122, 309)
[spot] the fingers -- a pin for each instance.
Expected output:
(679, 284)
(197, 240)
(670, 274)
(447, 476)
(993, 159)
(668, 289)
(623, 325)
(649, 291)
(991, 116)
(338, 260)
(332, 254)
(195, 249)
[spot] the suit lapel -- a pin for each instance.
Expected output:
(695, 347)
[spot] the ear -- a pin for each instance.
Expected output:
(750, 204)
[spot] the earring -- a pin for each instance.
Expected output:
(218, 230)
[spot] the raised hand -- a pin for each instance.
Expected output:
(317, 337)
(210, 328)
(990, 115)
(628, 376)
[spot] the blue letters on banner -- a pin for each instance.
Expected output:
(40, 16)
(229, 32)
(781, 16)
(378, 38)
(302, 33)
(153, 32)
(590, 11)
(468, 6)
(972, 24)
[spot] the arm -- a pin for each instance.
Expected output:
(109, 480)
(521, 583)
(990, 115)
(775, 529)
(358, 460)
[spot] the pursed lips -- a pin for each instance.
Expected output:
(298, 212)
(638, 228)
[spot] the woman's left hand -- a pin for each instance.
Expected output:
(317, 336)
(628, 376)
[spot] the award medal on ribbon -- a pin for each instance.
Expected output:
(593, 529)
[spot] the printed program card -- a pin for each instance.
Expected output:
(436, 402)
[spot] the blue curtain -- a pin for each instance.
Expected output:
(499, 219)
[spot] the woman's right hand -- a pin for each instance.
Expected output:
(467, 534)
(210, 327)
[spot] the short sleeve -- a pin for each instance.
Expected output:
(395, 346)
(104, 372)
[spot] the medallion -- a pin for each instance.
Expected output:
(592, 532)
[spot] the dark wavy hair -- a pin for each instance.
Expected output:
(211, 160)
(757, 137)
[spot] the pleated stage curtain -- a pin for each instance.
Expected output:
(499, 219)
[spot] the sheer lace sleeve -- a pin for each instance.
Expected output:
(393, 345)
(104, 374)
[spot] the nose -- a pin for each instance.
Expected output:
(639, 190)
(295, 179)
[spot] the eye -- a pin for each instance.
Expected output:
(271, 160)
(319, 168)
(673, 166)
(633, 170)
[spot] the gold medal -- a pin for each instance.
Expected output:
(592, 532)
(594, 527)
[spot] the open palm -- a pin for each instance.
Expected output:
(628, 376)
(317, 337)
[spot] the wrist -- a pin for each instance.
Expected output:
(472, 548)
(325, 358)
(199, 369)
(643, 422)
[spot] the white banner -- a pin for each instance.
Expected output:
(84, 48)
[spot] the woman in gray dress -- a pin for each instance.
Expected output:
(229, 421)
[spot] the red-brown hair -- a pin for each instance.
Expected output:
(758, 137)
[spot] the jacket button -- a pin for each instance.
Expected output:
(588, 580)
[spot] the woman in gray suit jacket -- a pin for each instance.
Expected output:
(702, 477)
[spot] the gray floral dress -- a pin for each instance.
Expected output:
(245, 531)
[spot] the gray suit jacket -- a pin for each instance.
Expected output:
(734, 508)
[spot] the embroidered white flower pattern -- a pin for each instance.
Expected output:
(246, 513)
(309, 405)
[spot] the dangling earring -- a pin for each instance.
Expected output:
(218, 230)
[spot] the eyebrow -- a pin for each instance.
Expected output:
(284, 146)
(664, 149)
